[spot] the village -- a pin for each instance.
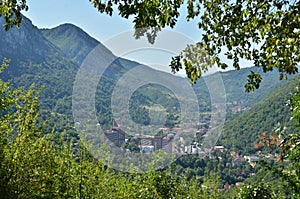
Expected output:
(170, 141)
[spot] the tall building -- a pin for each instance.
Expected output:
(116, 135)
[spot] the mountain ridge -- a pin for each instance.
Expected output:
(63, 37)
(55, 65)
(242, 132)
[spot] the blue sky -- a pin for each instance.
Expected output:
(51, 13)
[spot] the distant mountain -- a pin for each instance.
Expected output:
(235, 81)
(76, 44)
(36, 60)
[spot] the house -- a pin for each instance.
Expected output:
(116, 136)
(252, 160)
(220, 148)
(237, 161)
(192, 149)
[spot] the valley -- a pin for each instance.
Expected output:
(51, 58)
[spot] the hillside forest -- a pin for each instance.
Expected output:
(43, 156)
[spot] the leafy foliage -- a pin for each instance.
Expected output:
(34, 165)
(242, 132)
(11, 10)
(265, 32)
(289, 146)
(256, 190)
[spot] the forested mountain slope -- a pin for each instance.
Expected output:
(52, 57)
(242, 132)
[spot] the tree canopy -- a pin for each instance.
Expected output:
(11, 10)
(264, 32)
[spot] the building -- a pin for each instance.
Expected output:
(252, 160)
(146, 148)
(237, 161)
(116, 135)
(149, 144)
(220, 148)
(191, 149)
(155, 142)
(200, 133)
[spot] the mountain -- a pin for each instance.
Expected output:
(25, 43)
(234, 82)
(35, 60)
(73, 41)
(52, 57)
(77, 44)
(242, 132)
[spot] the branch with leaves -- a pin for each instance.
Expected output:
(266, 33)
